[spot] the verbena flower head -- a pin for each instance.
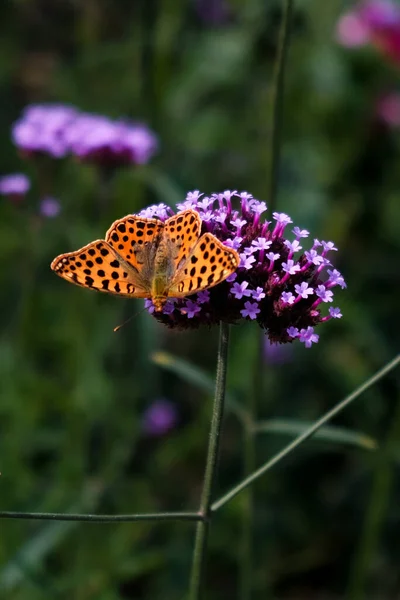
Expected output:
(101, 140)
(42, 129)
(284, 282)
(375, 22)
(15, 185)
(159, 418)
(57, 131)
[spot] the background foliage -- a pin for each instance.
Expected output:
(74, 394)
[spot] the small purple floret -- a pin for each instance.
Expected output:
(16, 184)
(159, 418)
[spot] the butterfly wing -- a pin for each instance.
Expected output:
(183, 231)
(99, 267)
(131, 237)
(209, 263)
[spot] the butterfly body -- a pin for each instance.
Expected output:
(148, 258)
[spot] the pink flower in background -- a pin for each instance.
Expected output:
(375, 22)
(388, 109)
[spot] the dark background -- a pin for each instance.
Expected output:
(74, 395)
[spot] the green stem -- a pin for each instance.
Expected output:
(200, 547)
(246, 563)
(376, 513)
(277, 103)
(162, 516)
(304, 436)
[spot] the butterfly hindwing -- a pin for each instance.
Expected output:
(209, 263)
(98, 266)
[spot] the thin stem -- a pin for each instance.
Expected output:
(256, 392)
(277, 103)
(166, 516)
(304, 436)
(377, 511)
(200, 546)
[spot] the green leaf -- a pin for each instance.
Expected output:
(329, 433)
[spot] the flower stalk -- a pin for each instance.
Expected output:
(202, 530)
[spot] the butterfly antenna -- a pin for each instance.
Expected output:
(130, 319)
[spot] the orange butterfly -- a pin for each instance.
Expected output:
(149, 258)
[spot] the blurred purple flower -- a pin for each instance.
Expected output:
(15, 185)
(49, 207)
(42, 128)
(110, 143)
(388, 109)
(375, 22)
(214, 12)
(159, 418)
(277, 284)
(276, 354)
(59, 130)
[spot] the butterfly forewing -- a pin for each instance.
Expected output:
(183, 231)
(131, 235)
(98, 266)
(209, 263)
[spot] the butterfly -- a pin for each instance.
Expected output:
(149, 258)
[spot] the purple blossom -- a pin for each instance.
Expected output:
(239, 290)
(238, 223)
(58, 130)
(246, 262)
(42, 129)
(203, 296)
(258, 294)
(250, 310)
(98, 139)
(261, 244)
(159, 418)
(335, 312)
(16, 184)
(290, 267)
(190, 309)
(336, 278)
(293, 332)
(313, 257)
(293, 246)
(285, 297)
(303, 289)
(49, 207)
(300, 233)
(308, 337)
(235, 243)
(324, 294)
(288, 298)
(258, 207)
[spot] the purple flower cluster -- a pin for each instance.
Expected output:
(278, 284)
(57, 130)
(375, 22)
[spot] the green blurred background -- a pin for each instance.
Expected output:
(74, 395)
